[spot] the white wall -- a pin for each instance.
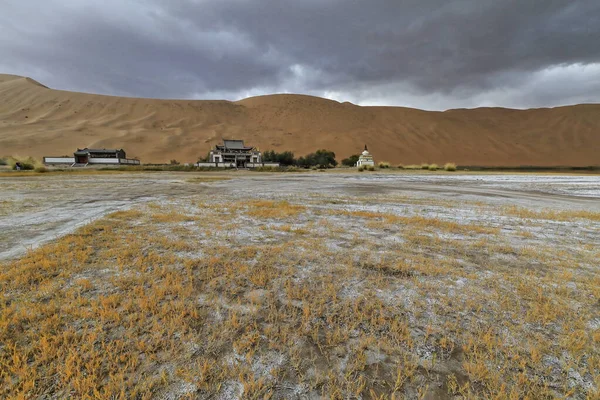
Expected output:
(71, 160)
(129, 161)
(59, 160)
(214, 165)
(267, 164)
(103, 161)
(365, 162)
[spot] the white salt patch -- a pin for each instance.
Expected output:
(594, 324)
(231, 390)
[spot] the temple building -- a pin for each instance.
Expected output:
(85, 157)
(234, 154)
(365, 159)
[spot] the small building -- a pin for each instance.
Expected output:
(365, 159)
(234, 154)
(84, 157)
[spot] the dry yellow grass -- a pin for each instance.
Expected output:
(267, 298)
(549, 214)
(422, 222)
(273, 210)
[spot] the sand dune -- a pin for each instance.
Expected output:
(38, 121)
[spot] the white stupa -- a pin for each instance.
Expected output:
(365, 159)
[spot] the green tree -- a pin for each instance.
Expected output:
(286, 158)
(350, 161)
(321, 158)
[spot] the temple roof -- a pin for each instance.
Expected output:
(92, 151)
(233, 145)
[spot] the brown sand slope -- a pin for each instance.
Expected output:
(38, 121)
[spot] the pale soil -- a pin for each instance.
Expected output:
(303, 286)
(34, 210)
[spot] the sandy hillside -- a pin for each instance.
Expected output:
(38, 121)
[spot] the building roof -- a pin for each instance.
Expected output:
(91, 151)
(233, 145)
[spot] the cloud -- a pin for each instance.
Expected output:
(427, 54)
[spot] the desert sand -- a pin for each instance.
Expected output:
(38, 121)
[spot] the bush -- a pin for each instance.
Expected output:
(412, 166)
(433, 167)
(383, 164)
(350, 161)
(174, 162)
(3, 161)
(286, 158)
(361, 168)
(400, 166)
(321, 158)
(27, 164)
(24, 166)
(370, 168)
(41, 170)
(450, 166)
(424, 166)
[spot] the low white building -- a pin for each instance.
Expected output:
(365, 159)
(84, 157)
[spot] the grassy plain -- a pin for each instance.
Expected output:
(374, 296)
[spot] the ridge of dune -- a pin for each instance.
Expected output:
(38, 121)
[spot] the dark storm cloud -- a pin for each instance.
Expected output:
(429, 54)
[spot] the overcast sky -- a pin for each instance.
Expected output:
(430, 54)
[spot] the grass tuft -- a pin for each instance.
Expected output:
(450, 167)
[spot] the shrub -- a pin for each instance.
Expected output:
(28, 163)
(413, 166)
(321, 158)
(361, 168)
(383, 164)
(3, 161)
(350, 161)
(370, 168)
(174, 162)
(424, 166)
(450, 167)
(285, 158)
(400, 166)
(24, 166)
(41, 170)
(433, 167)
